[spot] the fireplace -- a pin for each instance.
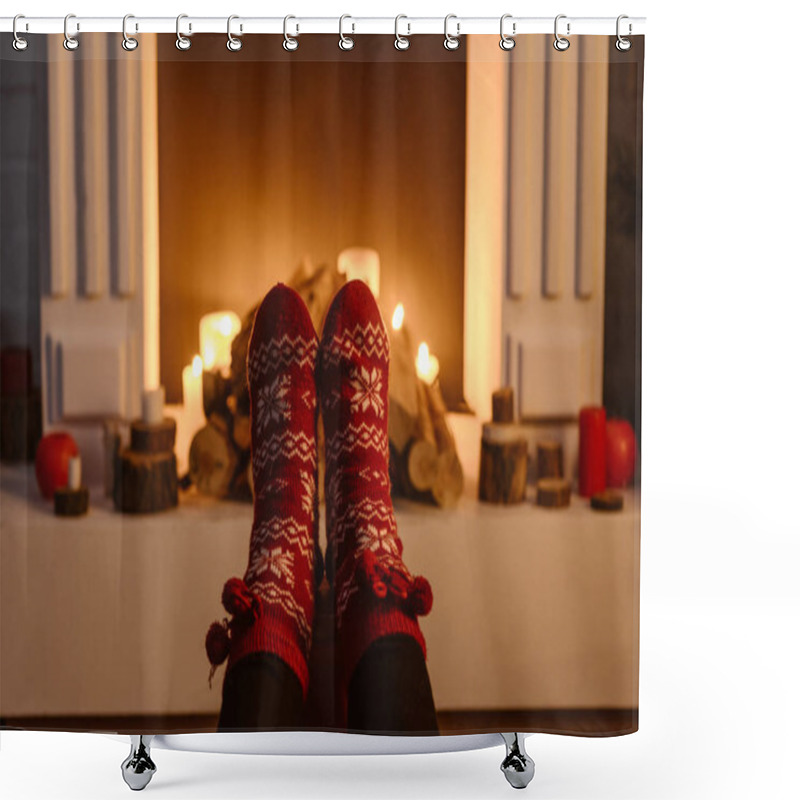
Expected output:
(538, 294)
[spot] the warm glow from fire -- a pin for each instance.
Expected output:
(427, 364)
(217, 332)
(398, 316)
(197, 366)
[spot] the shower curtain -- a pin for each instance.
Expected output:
(320, 383)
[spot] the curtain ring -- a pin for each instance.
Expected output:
(451, 42)
(182, 42)
(289, 42)
(560, 43)
(506, 42)
(401, 42)
(128, 42)
(18, 43)
(234, 44)
(623, 44)
(70, 42)
(345, 42)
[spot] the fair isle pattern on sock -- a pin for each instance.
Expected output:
(272, 608)
(375, 594)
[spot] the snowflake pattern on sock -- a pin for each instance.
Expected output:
(272, 608)
(375, 594)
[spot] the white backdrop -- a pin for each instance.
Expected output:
(720, 536)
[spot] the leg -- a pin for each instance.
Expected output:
(260, 692)
(272, 608)
(138, 768)
(390, 690)
(375, 594)
(517, 766)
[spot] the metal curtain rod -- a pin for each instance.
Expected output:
(602, 26)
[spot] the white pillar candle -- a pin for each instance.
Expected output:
(153, 406)
(427, 365)
(217, 332)
(361, 263)
(193, 417)
(74, 473)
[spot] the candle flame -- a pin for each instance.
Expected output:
(398, 317)
(427, 364)
(197, 366)
(226, 325)
(423, 358)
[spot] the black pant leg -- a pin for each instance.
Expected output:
(390, 691)
(261, 692)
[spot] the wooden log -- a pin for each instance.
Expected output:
(157, 437)
(553, 492)
(212, 461)
(421, 464)
(216, 389)
(241, 431)
(449, 484)
(403, 390)
(503, 405)
(146, 482)
(443, 436)
(549, 459)
(503, 474)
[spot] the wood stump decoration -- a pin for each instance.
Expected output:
(146, 474)
(549, 459)
(553, 492)
(503, 476)
(71, 502)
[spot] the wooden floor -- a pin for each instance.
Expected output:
(588, 722)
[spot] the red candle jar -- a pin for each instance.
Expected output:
(592, 451)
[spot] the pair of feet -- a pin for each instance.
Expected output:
(292, 378)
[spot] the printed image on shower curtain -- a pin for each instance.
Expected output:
(320, 385)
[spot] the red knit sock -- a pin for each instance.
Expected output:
(375, 595)
(273, 607)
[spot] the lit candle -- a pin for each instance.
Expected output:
(74, 473)
(193, 416)
(398, 317)
(427, 365)
(153, 406)
(361, 263)
(217, 332)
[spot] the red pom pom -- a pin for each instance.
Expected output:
(237, 598)
(420, 597)
(217, 643)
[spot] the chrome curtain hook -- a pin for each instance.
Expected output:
(506, 41)
(18, 43)
(182, 42)
(346, 42)
(401, 42)
(560, 42)
(234, 44)
(70, 42)
(623, 44)
(451, 42)
(289, 42)
(128, 42)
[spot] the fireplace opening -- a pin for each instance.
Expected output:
(269, 169)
